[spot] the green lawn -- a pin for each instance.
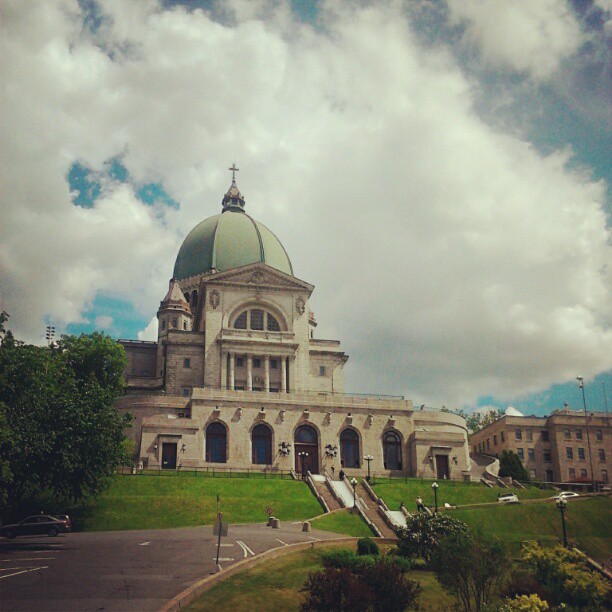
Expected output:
(588, 523)
(451, 491)
(275, 585)
(343, 522)
(154, 502)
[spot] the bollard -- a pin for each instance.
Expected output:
(270, 519)
(306, 526)
(275, 523)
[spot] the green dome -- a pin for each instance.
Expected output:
(229, 240)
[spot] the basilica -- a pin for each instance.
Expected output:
(237, 379)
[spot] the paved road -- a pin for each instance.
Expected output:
(125, 570)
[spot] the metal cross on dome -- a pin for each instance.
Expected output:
(234, 170)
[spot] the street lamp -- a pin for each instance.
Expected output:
(354, 483)
(368, 458)
(586, 424)
(435, 486)
(561, 505)
(50, 334)
(303, 455)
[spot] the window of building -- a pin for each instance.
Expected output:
(572, 473)
(274, 364)
(529, 435)
(185, 392)
(521, 453)
(581, 454)
(531, 454)
(257, 362)
(545, 437)
(392, 451)
(503, 437)
(185, 325)
(261, 445)
(566, 434)
(174, 322)
(274, 390)
(583, 473)
(569, 452)
(494, 440)
(239, 362)
(163, 324)
(187, 362)
(602, 454)
(322, 371)
(216, 443)
(604, 476)
(579, 434)
(488, 444)
(546, 456)
(518, 434)
(349, 449)
(599, 435)
(532, 474)
(257, 320)
(549, 475)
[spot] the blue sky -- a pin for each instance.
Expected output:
(437, 170)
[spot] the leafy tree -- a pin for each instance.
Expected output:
(61, 432)
(511, 465)
(367, 546)
(423, 533)
(523, 603)
(471, 568)
(477, 420)
(566, 577)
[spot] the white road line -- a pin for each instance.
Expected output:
(144, 543)
(283, 543)
(315, 539)
(226, 544)
(34, 569)
(6, 569)
(222, 559)
(25, 559)
(244, 547)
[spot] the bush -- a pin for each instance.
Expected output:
(523, 603)
(367, 546)
(511, 465)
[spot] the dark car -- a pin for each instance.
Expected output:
(39, 524)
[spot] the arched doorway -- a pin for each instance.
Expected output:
(261, 444)
(216, 443)
(306, 446)
(349, 449)
(392, 451)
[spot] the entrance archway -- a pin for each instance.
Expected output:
(306, 440)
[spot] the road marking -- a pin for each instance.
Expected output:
(25, 559)
(222, 559)
(34, 569)
(226, 544)
(245, 548)
(6, 569)
(315, 539)
(144, 543)
(283, 543)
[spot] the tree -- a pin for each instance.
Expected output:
(423, 533)
(471, 568)
(477, 420)
(511, 465)
(566, 577)
(61, 431)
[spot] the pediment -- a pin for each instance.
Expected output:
(259, 275)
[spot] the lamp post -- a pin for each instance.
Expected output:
(435, 486)
(354, 484)
(561, 505)
(586, 424)
(303, 455)
(369, 459)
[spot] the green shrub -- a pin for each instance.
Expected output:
(523, 603)
(367, 546)
(345, 558)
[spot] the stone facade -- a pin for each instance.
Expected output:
(553, 448)
(237, 380)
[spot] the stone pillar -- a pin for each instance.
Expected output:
(249, 372)
(283, 374)
(267, 373)
(223, 370)
(232, 371)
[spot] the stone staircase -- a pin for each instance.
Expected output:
(373, 510)
(322, 487)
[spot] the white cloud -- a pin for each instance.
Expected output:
(103, 322)
(522, 35)
(150, 331)
(451, 259)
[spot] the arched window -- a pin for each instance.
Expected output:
(186, 296)
(194, 299)
(261, 439)
(216, 443)
(306, 435)
(392, 451)
(258, 320)
(349, 449)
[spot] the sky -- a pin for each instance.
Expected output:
(440, 171)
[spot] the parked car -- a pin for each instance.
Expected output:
(39, 524)
(508, 498)
(566, 495)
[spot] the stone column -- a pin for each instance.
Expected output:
(223, 370)
(266, 373)
(249, 372)
(232, 371)
(283, 374)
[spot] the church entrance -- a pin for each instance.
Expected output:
(169, 456)
(442, 466)
(306, 446)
